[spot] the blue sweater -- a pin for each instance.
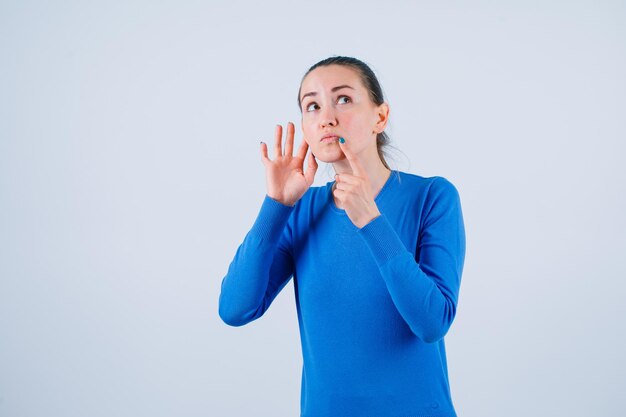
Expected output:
(373, 304)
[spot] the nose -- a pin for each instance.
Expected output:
(327, 118)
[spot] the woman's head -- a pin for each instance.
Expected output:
(342, 96)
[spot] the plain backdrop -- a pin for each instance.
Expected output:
(130, 172)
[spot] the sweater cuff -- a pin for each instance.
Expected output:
(382, 239)
(271, 219)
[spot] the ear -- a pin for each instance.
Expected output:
(383, 117)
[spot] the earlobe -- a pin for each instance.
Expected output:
(380, 126)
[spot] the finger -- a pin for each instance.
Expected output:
(347, 179)
(278, 138)
(346, 187)
(289, 140)
(357, 168)
(264, 158)
(311, 169)
(303, 148)
(340, 194)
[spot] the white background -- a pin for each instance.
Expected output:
(130, 172)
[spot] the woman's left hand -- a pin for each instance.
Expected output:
(354, 192)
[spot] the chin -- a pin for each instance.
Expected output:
(329, 156)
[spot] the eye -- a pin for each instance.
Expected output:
(349, 99)
(309, 105)
(314, 103)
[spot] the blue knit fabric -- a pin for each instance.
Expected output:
(373, 304)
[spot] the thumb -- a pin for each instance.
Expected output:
(311, 169)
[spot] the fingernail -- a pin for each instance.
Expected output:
(342, 140)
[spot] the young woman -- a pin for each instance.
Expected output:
(376, 256)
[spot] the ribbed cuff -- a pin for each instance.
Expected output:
(271, 219)
(382, 239)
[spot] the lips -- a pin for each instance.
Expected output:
(328, 138)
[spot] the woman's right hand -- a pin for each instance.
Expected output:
(286, 180)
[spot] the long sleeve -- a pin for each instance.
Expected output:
(262, 266)
(424, 288)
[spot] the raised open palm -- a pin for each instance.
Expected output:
(285, 176)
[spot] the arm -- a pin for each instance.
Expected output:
(425, 291)
(262, 266)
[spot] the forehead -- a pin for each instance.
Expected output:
(322, 79)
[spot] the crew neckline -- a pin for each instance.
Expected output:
(386, 186)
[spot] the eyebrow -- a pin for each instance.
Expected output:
(339, 87)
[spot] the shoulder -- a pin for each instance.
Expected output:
(433, 196)
(442, 200)
(443, 186)
(430, 186)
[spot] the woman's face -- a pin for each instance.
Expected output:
(334, 101)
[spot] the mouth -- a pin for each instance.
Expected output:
(329, 138)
